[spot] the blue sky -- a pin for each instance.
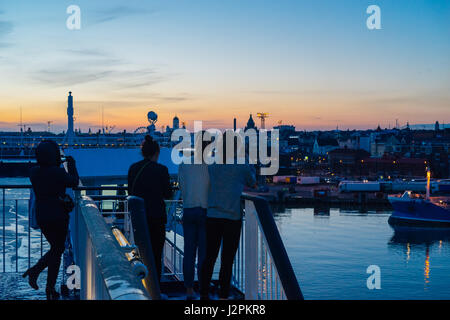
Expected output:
(313, 64)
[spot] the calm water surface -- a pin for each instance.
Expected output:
(330, 255)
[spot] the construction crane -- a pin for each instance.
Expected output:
(109, 129)
(263, 116)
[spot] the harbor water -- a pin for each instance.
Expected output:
(331, 253)
(330, 250)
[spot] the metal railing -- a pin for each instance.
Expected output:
(95, 248)
(106, 273)
(261, 270)
(21, 245)
(268, 271)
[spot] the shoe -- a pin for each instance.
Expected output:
(32, 278)
(52, 294)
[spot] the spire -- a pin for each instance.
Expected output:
(250, 123)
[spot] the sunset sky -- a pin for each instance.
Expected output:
(312, 64)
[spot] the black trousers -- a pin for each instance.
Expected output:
(219, 232)
(55, 232)
(157, 230)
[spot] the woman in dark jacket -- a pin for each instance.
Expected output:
(49, 181)
(150, 181)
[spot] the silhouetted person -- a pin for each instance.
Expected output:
(224, 221)
(150, 181)
(194, 184)
(49, 181)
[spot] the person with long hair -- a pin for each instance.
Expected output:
(224, 219)
(49, 181)
(150, 181)
(194, 183)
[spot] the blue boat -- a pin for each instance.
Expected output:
(412, 209)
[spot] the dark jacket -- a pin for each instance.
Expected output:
(49, 183)
(153, 185)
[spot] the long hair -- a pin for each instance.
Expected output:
(149, 147)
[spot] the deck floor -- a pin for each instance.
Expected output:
(14, 287)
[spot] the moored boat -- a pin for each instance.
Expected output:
(412, 209)
(415, 209)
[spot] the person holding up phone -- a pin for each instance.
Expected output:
(49, 181)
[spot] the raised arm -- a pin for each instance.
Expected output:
(71, 178)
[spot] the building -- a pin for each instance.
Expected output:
(176, 123)
(250, 124)
(323, 145)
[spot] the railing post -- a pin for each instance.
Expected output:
(251, 252)
(144, 244)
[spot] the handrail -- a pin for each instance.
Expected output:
(267, 228)
(106, 273)
(16, 186)
(262, 269)
(276, 247)
(142, 239)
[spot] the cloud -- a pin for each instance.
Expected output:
(86, 53)
(6, 27)
(109, 14)
(84, 66)
(67, 77)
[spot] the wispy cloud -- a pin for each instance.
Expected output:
(109, 14)
(6, 27)
(82, 66)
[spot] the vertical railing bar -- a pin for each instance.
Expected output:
(239, 267)
(243, 261)
(276, 286)
(4, 232)
(260, 244)
(42, 252)
(29, 237)
(271, 279)
(17, 235)
(266, 271)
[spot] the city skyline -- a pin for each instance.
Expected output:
(315, 66)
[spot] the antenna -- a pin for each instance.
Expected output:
(21, 125)
(103, 120)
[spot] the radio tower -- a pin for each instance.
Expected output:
(263, 116)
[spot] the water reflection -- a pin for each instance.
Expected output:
(412, 235)
(322, 211)
(427, 267)
(420, 238)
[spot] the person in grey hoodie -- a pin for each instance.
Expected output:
(224, 221)
(194, 183)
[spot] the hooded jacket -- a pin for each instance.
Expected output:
(49, 181)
